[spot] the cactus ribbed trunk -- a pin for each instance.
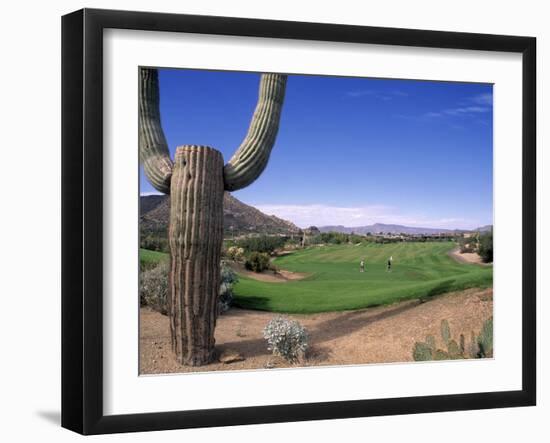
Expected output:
(195, 236)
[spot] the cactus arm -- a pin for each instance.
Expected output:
(153, 149)
(251, 158)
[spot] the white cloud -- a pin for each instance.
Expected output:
(145, 194)
(323, 215)
(460, 111)
(466, 110)
(482, 103)
(483, 99)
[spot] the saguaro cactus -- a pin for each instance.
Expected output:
(196, 181)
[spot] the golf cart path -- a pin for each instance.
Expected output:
(467, 257)
(280, 276)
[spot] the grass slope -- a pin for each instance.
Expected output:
(149, 258)
(420, 270)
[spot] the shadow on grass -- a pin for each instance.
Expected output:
(255, 302)
(441, 288)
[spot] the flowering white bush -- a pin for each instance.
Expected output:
(286, 338)
(235, 253)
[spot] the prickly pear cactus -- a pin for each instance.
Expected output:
(479, 347)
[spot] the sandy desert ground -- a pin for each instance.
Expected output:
(374, 335)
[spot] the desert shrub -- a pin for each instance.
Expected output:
(286, 338)
(228, 278)
(263, 243)
(154, 240)
(337, 238)
(292, 242)
(153, 287)
(235, 253)
(467, 244)
(257, 262)
(486, 247)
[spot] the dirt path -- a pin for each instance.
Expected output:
(467, 257)
(375, 335)
(281, 276)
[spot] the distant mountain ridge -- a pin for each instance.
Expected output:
(379, 228)
(238, 217)
(485, 228)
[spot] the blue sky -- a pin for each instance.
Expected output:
(350, 151)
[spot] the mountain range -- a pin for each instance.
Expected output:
(382, 228)
(238, 217)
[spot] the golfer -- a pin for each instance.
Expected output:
(389, 264)
(362, 265)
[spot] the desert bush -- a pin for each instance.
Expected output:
(286, 338)
(227, 279)
(235, 253)
(486, 247)
(257, 262)
(263, 243)
(467, 244)
(154, 240)
(153, 287)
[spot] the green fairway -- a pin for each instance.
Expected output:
(420, 270)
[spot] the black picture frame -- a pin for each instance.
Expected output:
(82, 215)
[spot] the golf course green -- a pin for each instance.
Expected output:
(334, 282)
